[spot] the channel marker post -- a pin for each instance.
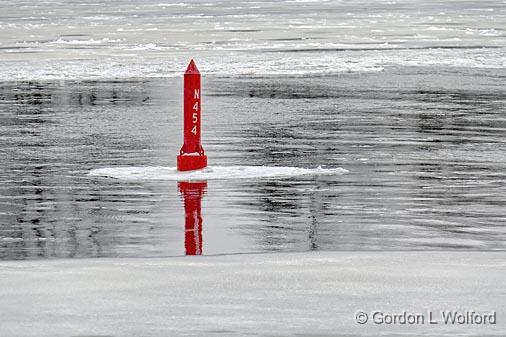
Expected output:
(192, 155)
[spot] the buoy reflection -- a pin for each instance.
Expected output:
(192, 195)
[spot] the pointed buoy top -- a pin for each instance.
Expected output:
(192, 68)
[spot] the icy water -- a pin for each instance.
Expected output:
(380, 126)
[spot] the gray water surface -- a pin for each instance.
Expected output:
(424, 149)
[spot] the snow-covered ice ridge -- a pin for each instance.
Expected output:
(211, 172)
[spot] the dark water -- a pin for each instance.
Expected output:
(424, 146)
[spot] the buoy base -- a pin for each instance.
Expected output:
(190, 162)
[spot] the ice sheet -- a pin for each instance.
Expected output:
(298, 294)
(211, 172)
(241, 38)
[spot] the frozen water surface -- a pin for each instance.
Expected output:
(63, 39)
(211, 172)
(293, 294)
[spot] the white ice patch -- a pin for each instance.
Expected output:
(179, 4)
(211, 173)
(85, 42)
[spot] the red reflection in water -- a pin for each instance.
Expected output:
(192, 194)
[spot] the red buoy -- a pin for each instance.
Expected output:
(191, 156)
